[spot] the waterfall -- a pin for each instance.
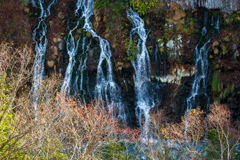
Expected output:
(145, 96)
(105, 88)
(76, 85)
(80, 84)
(40, 38)
(199, 85)
(72, 48)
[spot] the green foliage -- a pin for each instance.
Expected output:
(5, 127)
(214, 147)
(215, 85)
(189, 19)
(227, 39)
(212, 135)
(219, 93)
(228, 93)
(234, 17)
(24, 3)
(115, 7)
(7, 119)
(2, 3)
(114, 150)
(167, 36)
(232, 20)
(143, 6)
(100, 4)
(132, 49)
(51, 150)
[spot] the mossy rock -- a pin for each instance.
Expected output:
(148, 20)
(88, 34)
(170, 29)
(76, 37)
(50, 64)
(179, 13)
(180, 27)
(174, 5)
(210, 56)
(217, 66)
(227, 39)
(161, 50)
(107, 35)
(63, 21)
(215, 44)
(224, 49)
(196, 30)
(79, 31)
(98, 18)
(186, 31)
(191, 25)
(61, 15)
(150, 48)
(54, 56)
(216, 51)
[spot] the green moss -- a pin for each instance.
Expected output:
(224, 50)
(114, 150)
(227, 39)
(215, 84)
(79, 31)
(219, 93)
(132, 50)
(189, 19)
(167, 36)
(143, 6)
(101, 4)
(88, 34)
(150, 48)
(7, 140)
(180, 27)
(186, 30)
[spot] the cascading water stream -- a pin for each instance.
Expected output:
(72, 48)
(142, 67)
(80, 84)
(199, 85)
(40, 38)
(105, 88)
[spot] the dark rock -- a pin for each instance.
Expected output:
(195, 41)
(197, 26)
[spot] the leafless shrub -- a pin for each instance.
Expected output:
(226, 132)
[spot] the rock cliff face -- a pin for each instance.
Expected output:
(173, 30)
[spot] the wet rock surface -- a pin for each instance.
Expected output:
(171, 56)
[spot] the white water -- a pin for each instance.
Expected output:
(81, 73)
(40, 38)
(142, 67)
(105, 88)
(72, 48)
(199, 85)
(80, 84)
